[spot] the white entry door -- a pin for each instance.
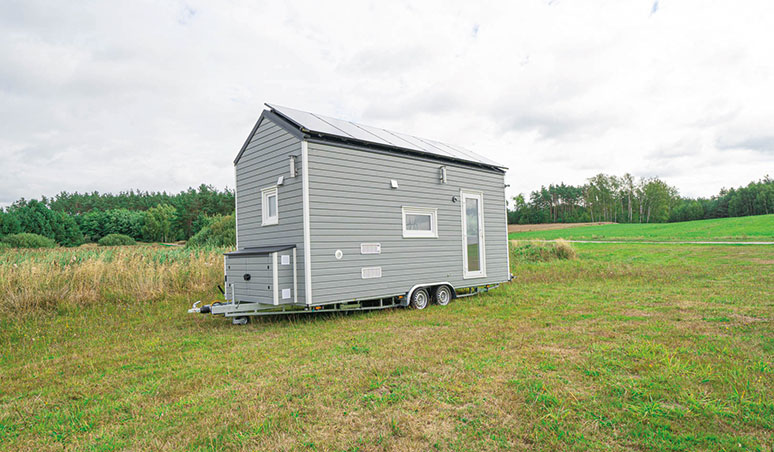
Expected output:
(474, 259)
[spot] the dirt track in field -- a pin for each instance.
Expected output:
(550, 226)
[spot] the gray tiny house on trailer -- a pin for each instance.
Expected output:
(336, 215)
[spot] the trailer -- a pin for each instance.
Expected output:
(337, 216)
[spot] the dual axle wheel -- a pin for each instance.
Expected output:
(442, 295)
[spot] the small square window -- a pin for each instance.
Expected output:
(269, 206)
(420, 222)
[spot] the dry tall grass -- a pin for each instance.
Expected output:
(564, 250)
(34, 280)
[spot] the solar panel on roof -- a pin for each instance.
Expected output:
(384, 135)
(308, 121)
(461, 151)
(353, 130)
(347, 129)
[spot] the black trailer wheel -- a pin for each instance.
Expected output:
(442, 295)
(420, 299)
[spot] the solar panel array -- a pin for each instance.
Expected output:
(349, 130)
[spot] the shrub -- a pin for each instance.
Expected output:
(116, 240)
(220, 231)
(27, 240)
(4, 246)
(542, 251)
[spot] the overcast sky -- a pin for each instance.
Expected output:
(109, 96)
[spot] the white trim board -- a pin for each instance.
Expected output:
(275, 277)
(236, 209)
(307, 227)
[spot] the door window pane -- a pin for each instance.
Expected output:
(472, 234)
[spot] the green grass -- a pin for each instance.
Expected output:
(648, 347)
(758, 228)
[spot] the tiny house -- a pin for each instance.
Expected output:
(334, 215)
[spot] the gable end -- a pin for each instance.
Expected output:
(275, 119)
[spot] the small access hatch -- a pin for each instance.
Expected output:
(266, 275)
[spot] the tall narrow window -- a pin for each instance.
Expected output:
(473, 251)
(420, 222)
(269, 206)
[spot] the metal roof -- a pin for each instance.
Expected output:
(348, 130)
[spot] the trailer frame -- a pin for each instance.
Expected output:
(240, 311)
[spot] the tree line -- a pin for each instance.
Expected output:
(74, 218)
(626, 199)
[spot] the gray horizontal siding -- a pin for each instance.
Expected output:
(266, 157)
(351, 202)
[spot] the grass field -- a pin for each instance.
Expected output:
(647, 347)
(756, 228)
(550, 226)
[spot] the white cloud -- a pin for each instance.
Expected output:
(109, 95)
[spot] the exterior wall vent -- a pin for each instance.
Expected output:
(370, 248)
(370, 272)
(293, 170)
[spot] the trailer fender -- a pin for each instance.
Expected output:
(405, 301)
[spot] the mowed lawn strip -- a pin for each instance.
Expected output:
(627, 347)
(758, 228)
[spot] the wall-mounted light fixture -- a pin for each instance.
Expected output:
(455, 199)
(442, 175)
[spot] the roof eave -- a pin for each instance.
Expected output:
(324, 137)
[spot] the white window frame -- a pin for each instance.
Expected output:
(410, 234)
(466, 274)
(266, 220)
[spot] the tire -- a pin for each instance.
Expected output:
(244, 320)
(420, 299)
(442, 295)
